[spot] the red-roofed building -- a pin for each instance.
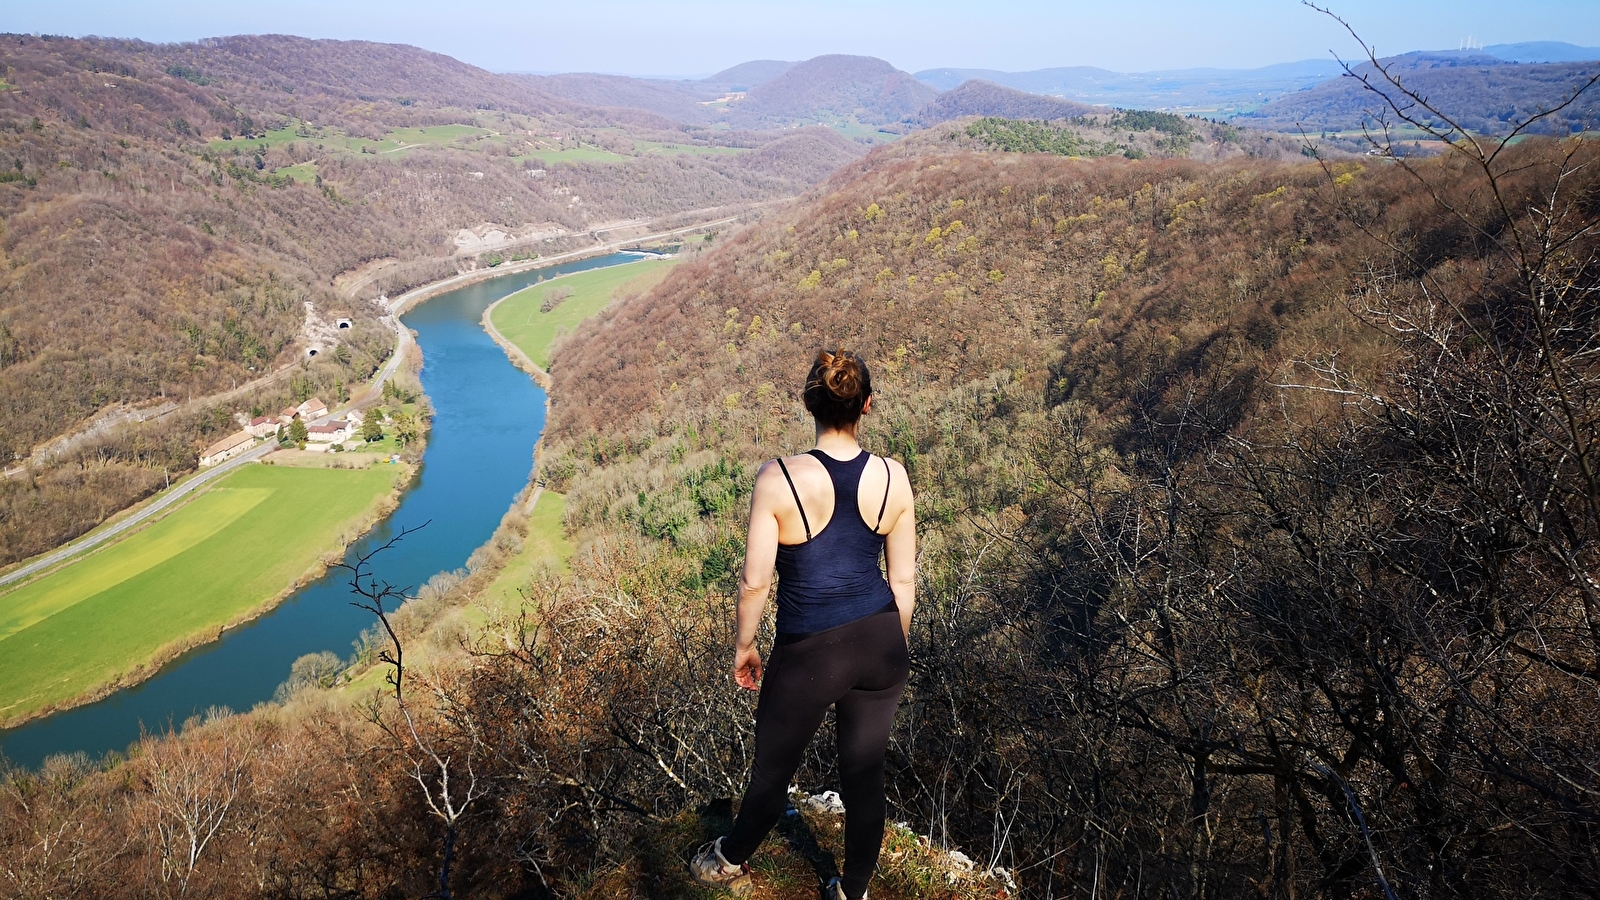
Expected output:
(263, 426)
(334, 432)
(313, 409)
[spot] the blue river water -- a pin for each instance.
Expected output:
(487, 417)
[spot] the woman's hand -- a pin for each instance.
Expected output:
(747, 668)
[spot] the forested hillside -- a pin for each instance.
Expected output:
(862, 88)
(1257, 536)
(1483, 94)
(1220, 543)
(985, 98)
(168, 211)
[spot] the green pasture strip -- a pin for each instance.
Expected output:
(660, 149)
(546, 545)
(398, 140)
(208, 514)
(853, 129)
(303, 172)
(522, 322)
(575, 154)
(402, 139)
(126, 613)
(270, 139)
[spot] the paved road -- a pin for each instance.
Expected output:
(184, 489)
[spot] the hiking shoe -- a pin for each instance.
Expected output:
(710, 868)
(834, 890)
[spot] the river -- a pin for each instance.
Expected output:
(487, 417)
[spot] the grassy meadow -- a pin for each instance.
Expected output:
(305, 173)
(661, 149)
(546, 545)
(574, 155)
(521, 320)
(214, 561)
(328, 138)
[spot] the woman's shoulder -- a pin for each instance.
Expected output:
(795, 466)
(896, 469)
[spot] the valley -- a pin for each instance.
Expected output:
(1253, 458)
(206, 560)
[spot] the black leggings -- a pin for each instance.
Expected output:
(859, 669)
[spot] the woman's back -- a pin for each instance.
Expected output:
(832, 577)
(815, 489)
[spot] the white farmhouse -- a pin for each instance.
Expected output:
(227, 448)
(334, 432)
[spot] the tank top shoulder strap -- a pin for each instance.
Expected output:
(801, 506)
(888, 477)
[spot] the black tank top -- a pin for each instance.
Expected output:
(833, 578)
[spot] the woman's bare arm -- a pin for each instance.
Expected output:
(760, 555)
(900, 551)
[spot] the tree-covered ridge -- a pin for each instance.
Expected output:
(1209, 531)
(1036, 137)
(1149, 120)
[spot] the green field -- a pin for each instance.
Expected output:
(660, 149)
(213, 561)
(574, 154)
(326, 138)
(519, 318)
(305, 172)
(546, 545)
(410, 138)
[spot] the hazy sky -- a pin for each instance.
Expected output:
(696, 37)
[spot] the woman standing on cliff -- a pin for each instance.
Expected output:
(821, 519)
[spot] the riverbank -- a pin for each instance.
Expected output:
(112, 619)
(513, 352)
(399, 305)
(530, 542)
(533, 319)
(472, 484)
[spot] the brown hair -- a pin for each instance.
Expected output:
(837, 388)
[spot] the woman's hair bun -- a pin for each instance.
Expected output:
(837, 388)
(841, 374)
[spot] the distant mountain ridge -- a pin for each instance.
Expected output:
(864, 87)
(977, 97)
(747, 75)
(1482, 93)
(1528, 52)
(1222, 89)
(759, 94)
(686, 101)
(1225, 90)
